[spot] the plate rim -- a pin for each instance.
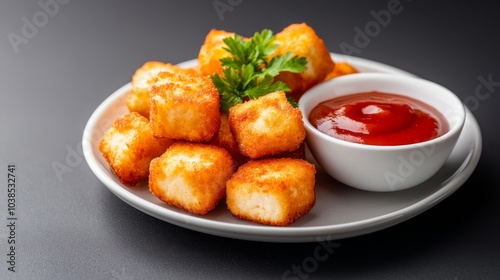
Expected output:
(264, 233)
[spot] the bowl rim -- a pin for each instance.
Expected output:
(453, 131)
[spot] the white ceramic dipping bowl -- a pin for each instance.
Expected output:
(383, 168)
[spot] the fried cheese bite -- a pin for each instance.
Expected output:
(212, 51)
(274, 191)
(142, 79)
(303, 41)
(191, 176)
(184, 107)
(129, 146)
(340, 69)
(267, 126)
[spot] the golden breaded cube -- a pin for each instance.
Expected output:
(274, 191)
(225, 139)
(191, 176)
(138, 98)
(303, 41)
(267, 126)
(184, 107)
(212, 51)
(340, 69)
(129, 146)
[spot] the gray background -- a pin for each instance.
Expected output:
(71, 227)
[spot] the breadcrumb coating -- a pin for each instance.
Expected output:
(302, 40)
(267, 126)
(274, 191)
(184, 107)
(142, 79)
(225, 139)
(129, 146)
(212, 51)
(299, 153)
(191, 176)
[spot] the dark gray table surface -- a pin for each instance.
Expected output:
(60, 60)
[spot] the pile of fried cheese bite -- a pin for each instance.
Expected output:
(193, 155)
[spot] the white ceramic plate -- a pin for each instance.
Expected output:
(340, 211)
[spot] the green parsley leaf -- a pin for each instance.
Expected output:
(266, 85)
(249, 74)
(285, 63)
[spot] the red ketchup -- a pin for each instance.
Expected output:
(377, 118)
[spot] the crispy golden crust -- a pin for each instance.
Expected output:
(129, 146)
(340, 69)
(212, 51)
(299, 153)
(267, 126)
(274, 191)
(303, 41)
(142, 79)
(225, 139)
(138, 98)
(184, 107)
(191, 176)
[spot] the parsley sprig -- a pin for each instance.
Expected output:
(248, 73)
